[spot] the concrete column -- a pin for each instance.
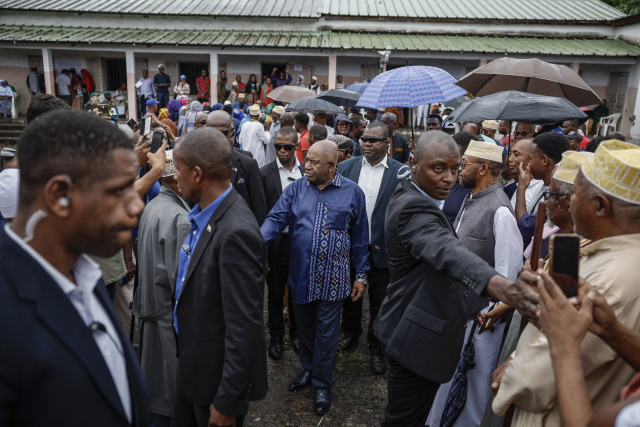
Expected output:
(213, 76)
(483, 62)
(132, 99)
(575, 67)
(333, 66)
(47, 64)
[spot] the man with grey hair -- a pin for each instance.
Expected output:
(399, 145)
(326, 216)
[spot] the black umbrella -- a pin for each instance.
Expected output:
(340, 97)
(310, 104)
(519, 107)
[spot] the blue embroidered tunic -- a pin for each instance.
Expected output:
(329, 233)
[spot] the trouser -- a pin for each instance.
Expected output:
(421, 115)
(203, 100)
(378, 279)
(163, 99)
(142, 105)
(111, 288)
(410, 397)
(318, 334)
(276, 285)
(189, 414)
(65, 98)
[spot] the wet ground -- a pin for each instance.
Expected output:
(358, 396)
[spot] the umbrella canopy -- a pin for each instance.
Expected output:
(517, 106)
(341, 97)
(456, 102)
(529, 75)
(310, 104)
(357, 87)
(290, 93)
(410, 86)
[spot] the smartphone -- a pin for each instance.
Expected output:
(156, 141)
(131, 123)
(564, 259)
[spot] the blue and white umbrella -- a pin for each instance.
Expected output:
(409, 87)
(358, 87)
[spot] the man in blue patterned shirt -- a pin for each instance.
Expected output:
(327, 218)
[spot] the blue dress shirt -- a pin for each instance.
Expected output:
(199, 219)
(148, 89)
(329, 234)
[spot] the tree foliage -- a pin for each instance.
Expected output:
(630, 7)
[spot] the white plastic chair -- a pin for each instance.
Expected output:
(609, 124)
(14, 107)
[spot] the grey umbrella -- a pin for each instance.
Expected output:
(340, 97)
(517, 106)
(310, 104)
(529, 75)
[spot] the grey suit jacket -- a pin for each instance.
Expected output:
(421, 321)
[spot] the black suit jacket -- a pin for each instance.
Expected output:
(221, 340)
(394, 174)
(245, 178)
(400, 148)
(51, 369)
(421, 321)
(272, 186)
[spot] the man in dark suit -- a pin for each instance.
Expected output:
(64, 357)
(245, 173)
(421, 321)
(276, 176)
(378, 176)
(219, 290)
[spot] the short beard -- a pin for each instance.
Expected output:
(469, 181)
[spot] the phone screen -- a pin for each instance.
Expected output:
(565, 258)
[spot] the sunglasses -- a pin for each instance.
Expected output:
(202, 122)
(287, 147)
(365, 139)
(348, 152)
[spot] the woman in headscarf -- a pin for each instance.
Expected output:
(190, 117)
(163, 114)
(251, 89)
(300, 82)
(6, 95)
(174, 109)
(182, 120)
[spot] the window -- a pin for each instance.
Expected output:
(116, 73)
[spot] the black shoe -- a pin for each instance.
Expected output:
(346, 343)
(378, 364)
(275, 348)
(301, 382)
(294, 343)
(322, 400)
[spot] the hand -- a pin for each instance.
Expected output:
(493, 316)
(564, 327)
(217, 418)
(604, 319)
(357, 291)
(527, 266)
(520, 294)
(275, 69)
(524, 179)
(141, 151)
(496, 376)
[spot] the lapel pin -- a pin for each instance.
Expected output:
(209, 228)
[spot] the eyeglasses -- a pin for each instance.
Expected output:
(287, 147)
(348, 151)
(547, 195)
(463, 163)
(365, 139)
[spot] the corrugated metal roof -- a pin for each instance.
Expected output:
(322, 39)
(529, 10)
(249, 8)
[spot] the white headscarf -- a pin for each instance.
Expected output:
(5, 90)
(300, 83)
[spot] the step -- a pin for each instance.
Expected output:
(10, 133)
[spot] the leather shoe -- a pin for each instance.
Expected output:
(347, 343)
(275, 348)
(378, 364)
(300, 382)
(322, 400)
(294, 343)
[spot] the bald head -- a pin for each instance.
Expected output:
(324, 150)
(219, 120)
(431, 139)
(286, 120)
(388, 117)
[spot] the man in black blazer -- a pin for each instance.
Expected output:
(421, 321)
(219, 290)
(245, 173)
(377, 175)
(276, 176)
(64, 357)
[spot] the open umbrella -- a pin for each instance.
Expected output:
(310, 104)
(457, 397)
(341, 97)
(357, 87)
(517, 106)
(290, 93)
(529, 75)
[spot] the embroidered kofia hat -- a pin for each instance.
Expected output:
(485, 150)
(254, 110)
(490, 124)
(570, 165)
(615, 169)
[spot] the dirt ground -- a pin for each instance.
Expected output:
(358, 396)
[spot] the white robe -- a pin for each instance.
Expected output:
(255, 139)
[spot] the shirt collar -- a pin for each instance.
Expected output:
(297, 166)
(439, 203)
(615, 243)
(200, 217)
(383, 162)
(337, 180)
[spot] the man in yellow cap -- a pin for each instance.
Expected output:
(605, 207)
(486, 226)
(489, 128)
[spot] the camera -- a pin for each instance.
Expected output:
(103, 109)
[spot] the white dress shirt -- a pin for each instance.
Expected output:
(82, 296)
(369, 181)
(534, 186)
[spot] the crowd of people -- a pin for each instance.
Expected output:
(439, 233)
